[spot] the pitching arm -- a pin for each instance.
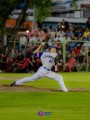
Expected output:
(39, 48)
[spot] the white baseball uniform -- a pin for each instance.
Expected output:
(47, 60)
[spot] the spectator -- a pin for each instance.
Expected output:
(67, 38)
(79, 44)
(69, 33)
(86, 45)
(71, 45)
(17, 43)
(32, 38)
(75, 51)
(86, 34)
(19, 62)
(42, 34)
(59, 65)
(23, 42)
(83, 51)
(58, 27)
(81, 62)
(50, 40)
(70, 65)
(3, 61)
(38, 38)
(33, 64)
(10, 64)
(88, 23)
(78, 32)
(65, 25)
(58, 39)
(53, 33)
(60, 32)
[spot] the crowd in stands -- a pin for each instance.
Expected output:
(22, 58)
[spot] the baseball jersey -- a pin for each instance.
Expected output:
(47, 59)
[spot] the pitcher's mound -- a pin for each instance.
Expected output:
(23, 88)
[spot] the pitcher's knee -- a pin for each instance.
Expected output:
(59, 77)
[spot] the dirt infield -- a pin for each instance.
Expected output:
(7, 88)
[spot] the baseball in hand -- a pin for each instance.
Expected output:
(43, 43)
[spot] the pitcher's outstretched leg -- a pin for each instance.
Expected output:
(26, 79)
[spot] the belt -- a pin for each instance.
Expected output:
(47, 69)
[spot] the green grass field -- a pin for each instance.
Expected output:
(63, 106)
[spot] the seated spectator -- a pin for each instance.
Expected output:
(50, 40)
(53, 33)
(83, 51)
(32, 41)
(67, 38)
(70, 65)
(10, 64)
(60, 33)
(33, 64)
(71, 45)
(38, 61)
(32, 38)
(69, 33)
(3, 61)
(19, 61)
(86, 45)
(38, 38)
(59, 65)
(58, 27)
(79, 44)
(23, 66)
(29, 52)
(86, 33)
(58, 39)
(81, 62)
(78, 32)
(42, 34)
(17, 46)
(75, 51)
(88, 23)
(89, 35)
(23, 42)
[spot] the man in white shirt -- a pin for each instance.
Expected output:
(23, 41)
(61, 33)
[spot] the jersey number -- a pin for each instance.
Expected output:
(50, 61)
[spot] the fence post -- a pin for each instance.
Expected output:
(64, 50)
(87, 58)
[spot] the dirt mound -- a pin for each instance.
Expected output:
(21, 88)
(8, 88)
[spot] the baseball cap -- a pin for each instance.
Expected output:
(53, 47)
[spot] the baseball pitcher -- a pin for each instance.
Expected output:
(47, 59)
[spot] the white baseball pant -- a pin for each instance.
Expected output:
(42, 72)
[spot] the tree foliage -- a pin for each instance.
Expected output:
(41, 9)
(6, 6)
(74, 4)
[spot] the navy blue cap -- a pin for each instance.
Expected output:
(53, 47)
